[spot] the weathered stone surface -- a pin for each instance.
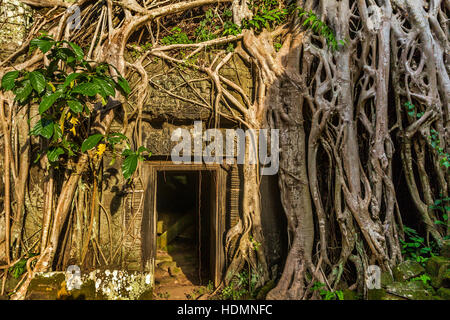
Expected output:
(386, 278)
(11, 283)
(86, 292)
(389, 296)
(407, 270)
(174, 271)
(350, 295)
(162, 258)
(165, 265)
(442, 279)
(121, 285)
(444, 293)
(146, 295)
(45, 286)
(436, 265)
(375, 294)
(111, 285)
(413, 290)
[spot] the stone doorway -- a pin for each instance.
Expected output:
(182, 225)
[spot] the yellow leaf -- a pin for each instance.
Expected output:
(52, 86)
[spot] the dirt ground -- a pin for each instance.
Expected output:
(176, 277)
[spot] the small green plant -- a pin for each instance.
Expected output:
(327, 294)
(210, 287)
(424, 278)
(255, 244)
(312, 22)
(267, 15)
(442, 210)
(243, 285)
(277, 46)
(414, 247)
(444, 158)
(20, 267)
(177, 36)
(67, 92)
(411, 110)
(207, 27)
(230, 48)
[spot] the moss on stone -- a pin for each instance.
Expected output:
(413, 290)
(350, 295)
(376, 294)
(407, 270)
(146, 295)
(86, 292)
(444, 293)
(386, 278)
(436, 264)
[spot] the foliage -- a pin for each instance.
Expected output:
(442, 206)
(68, 90)
(267, 14)
(424, 278)
(312, 22)
(243, 285)
(255, 243)
(20, 267)
(435, 143)
(207, 27)
(327, 294)
(414, 247)
(177, 36)
(434, 136)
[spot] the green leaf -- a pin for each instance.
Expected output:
(48, 101)
(105, 89)
(44, 44)
(123, 83)
(22, 93)
(128, 152)
(54, 153)
(142, 149)
(87, 89)
(91, 142)
(8, 80)
(57, 133)
(43, 127)
(75, 106)
(78, 51)
(71, 77)
(129, 166)
(37, 81)
(116, 137)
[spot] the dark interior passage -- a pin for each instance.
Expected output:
(184, 203)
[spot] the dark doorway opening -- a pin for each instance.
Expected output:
(185, 204)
